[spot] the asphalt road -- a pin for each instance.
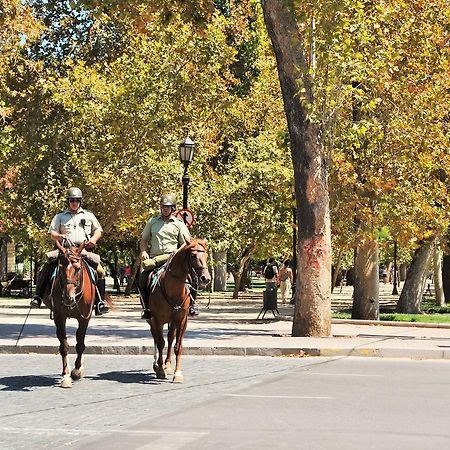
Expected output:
(226, 403)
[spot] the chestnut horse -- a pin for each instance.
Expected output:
(72, 295)
(169, 301)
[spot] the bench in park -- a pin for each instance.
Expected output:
(17, 286)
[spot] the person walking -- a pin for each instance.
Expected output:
(163, 234)
(285, 280)
(74, 225)
(271, 274)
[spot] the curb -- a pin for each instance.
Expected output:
(385, 323)
(131, 350)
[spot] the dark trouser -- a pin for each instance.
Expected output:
(142, 284)
(101, 286)
(43, 280)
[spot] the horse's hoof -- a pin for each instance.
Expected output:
(66, 381)
(168, 368)
(160, 373)
(76, 374)
(178, 378)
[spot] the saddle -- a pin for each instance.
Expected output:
(153, 277)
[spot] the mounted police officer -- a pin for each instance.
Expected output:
(164, 233)
(76, 225)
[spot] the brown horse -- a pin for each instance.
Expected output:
(169, 301)
(72, 295)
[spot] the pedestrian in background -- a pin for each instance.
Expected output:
(285, 280)
(271, 273)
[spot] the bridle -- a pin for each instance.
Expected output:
(192, 272)
(76, 260)
(195, 269)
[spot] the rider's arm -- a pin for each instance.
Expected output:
(95, 237)
(96, 230)
(56, 231)
(143, 247)
(145, 239)
(57, 236)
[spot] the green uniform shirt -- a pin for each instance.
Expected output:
(79, 226)
(165, 236)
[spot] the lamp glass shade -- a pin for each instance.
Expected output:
(187, 149)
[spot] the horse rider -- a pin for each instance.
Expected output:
(76, 225)
(165, 233)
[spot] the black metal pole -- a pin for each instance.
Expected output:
(185, 181)
(31, 272)
(395, 290)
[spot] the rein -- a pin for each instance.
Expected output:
(78, 283)
(190, 270)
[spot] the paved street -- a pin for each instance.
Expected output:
(226, 402)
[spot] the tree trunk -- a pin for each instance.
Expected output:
(243, 265)
(220, 271)
(134, 272)
(411, 297)
(337, 269)
(366, 300)
(446, 277)
(112, 269)
(115, 273)
(437, 276)
(312, 315)
(403, 270)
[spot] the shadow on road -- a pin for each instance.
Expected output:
(27, 382)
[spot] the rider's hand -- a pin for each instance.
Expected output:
(144, 256)
(90, 244)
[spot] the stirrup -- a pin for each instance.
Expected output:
(101, 308)
(193, 309)
(36, 302)
(146, 314)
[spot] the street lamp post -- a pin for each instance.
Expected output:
(187, 150)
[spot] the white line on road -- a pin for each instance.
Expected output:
(280, 396)
(90, 432)
(343, 374)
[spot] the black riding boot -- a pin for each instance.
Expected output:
(143, 291)
(41, 285)
(193, 307)
(100, 305)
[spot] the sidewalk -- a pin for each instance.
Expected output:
(225, 327)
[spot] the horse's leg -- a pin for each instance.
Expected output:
(60, 323)
(77, 371)
(170, 338)
(158, 337)
(178, 376)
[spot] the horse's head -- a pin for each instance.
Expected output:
(198, 257)
(69, 270)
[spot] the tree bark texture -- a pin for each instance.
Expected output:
(403, 270)
(437, 276)
(243, 264)
(411, 297)
(336, 275)
(446, 277)
(220, 271)
(312, 316)
(366, 302)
